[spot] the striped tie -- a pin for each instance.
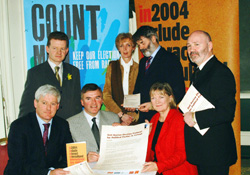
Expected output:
(148, 63)
(57, 75)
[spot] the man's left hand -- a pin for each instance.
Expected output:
(188, 118)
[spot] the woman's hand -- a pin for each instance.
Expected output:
(126, 119)
(149, 166)
(92, 157)
(145, 107)
(150, 125)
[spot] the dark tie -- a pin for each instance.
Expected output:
(57, 75)
(147, 63)
(95, 131)
(196, 72)
(45, 136)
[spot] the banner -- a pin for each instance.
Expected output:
(91, 25)
(176, 20)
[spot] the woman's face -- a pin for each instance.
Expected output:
(126, 48)
(160, 101)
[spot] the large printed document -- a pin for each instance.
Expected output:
(193, 101)
(123, 149)
(80, 169)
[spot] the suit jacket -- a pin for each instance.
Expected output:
(165, 68)
(217, 147)
(170, 146)
(108, 100)
(42, 74)
(81, 130)
(26, 149)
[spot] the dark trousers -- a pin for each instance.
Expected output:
(213, 170)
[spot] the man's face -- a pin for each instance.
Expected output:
(92, 102)
(46, 107)
(146, 46)
(199, 48)
(57, 50)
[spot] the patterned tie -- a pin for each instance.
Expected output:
(45, 136)
(57, 75)
(95, 131)
(148, 63)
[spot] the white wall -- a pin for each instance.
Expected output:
(12, 60)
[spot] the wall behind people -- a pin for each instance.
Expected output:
(175, 20)
(14, 59)
(92, 27)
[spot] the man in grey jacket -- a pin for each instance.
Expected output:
(87, 125)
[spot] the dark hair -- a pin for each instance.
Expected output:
(147, 32)
(164, 88)
(90, 87)
(123, 36)
(58, 36)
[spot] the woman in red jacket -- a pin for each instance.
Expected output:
(166, 148)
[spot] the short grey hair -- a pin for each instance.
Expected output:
(47, 89)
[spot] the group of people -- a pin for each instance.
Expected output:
(37, 139)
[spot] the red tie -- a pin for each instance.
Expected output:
(45, 136)
(147, 63)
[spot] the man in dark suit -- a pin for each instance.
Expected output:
(33, 148)
(66, 79)
(157, 65)
(215, 151)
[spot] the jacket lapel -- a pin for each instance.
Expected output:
(204, 74)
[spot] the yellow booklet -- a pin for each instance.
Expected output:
(76, 153)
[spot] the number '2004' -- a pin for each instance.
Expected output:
(163, 11)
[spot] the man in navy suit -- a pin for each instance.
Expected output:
(32, 149)
(66, 79)
(157, 65)
(215, 151)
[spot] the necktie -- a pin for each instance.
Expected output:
(196, 72)
(45, 136)
(148, 63)
(95, 131)
(57, 75)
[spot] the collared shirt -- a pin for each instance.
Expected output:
(53, 65)
(125, 82)
(155, 52)
(89, 119)
(41, 122)
(203, 64)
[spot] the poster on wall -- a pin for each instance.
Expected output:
(176, 20)
(91, 25)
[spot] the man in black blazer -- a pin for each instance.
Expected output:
(215, 151)
(45, 73)
(164, 67)
(28, 153)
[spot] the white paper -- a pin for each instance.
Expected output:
(193, 101)
(132, 101)
(80, 169)
(123, 149)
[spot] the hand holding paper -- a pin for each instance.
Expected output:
(193, 101)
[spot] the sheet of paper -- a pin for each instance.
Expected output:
(193, 101)
(123, 149)
(132, 101)
(80, 169)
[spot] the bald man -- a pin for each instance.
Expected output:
(214, 152)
